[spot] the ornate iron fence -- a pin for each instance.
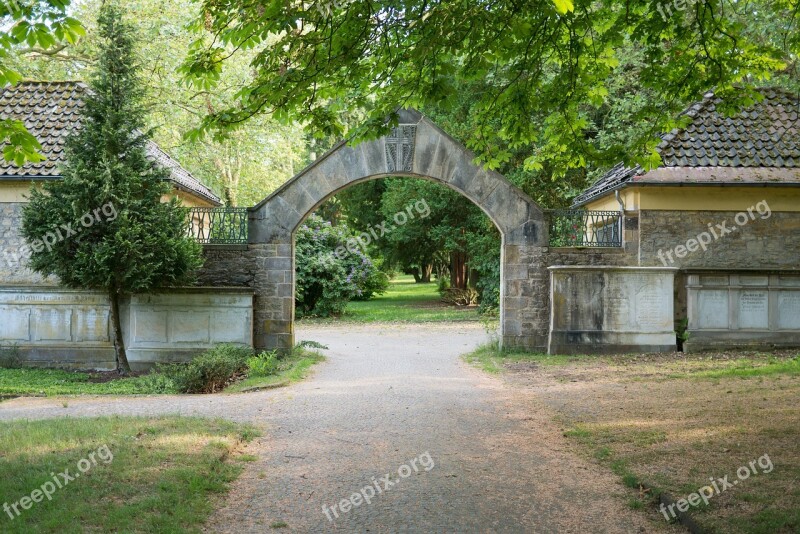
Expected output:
(581, 228)
(218, 226)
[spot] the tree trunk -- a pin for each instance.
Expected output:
(458, 270)
(427, 271)
(123, 367)
(417, 277)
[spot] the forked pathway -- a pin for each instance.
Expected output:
(388, 395)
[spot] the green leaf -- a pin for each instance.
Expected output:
(564, 6)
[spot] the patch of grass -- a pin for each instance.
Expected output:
(404, 302)
(50, 382)
(747, 368)
(291, 368)
(166, 474)
(491, 359)
(771, 520)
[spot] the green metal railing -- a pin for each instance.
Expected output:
(581, 228)
(218, 226)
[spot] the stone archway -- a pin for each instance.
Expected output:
(415, 148)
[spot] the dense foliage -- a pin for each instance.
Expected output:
(122, 238)
(242, 168)
(332, 269)
(548, 66)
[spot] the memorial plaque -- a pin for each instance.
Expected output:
(712, 309)
(52, 324)
(149, 326)
(190, 326)
(789, 310)
(16, 324)
(754, 310)
(650, 309)
(231, 326)
(91, 324)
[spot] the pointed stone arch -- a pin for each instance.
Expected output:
(415, 148)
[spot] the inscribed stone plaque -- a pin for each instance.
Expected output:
(789, 310)
(189, 326)
(712, 308)
(52, 324)
(149, 326)
(16, 324)
(753, 309)
(91, 324)
(650, 308)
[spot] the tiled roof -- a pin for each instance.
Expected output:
(763, 136)
(50, 110)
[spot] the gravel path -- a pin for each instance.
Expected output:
(464, 452)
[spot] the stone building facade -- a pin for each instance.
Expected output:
(724, 210)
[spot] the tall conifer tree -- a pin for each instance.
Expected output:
(137, 243)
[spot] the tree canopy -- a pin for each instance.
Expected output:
(547, 66)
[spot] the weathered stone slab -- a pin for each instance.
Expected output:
(602, 309)
(67, 328)
(743, 310)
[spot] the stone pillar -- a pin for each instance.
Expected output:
(525, 311)
(273, 313)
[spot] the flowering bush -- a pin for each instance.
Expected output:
(329, 274)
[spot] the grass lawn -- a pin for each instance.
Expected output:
(148, 474)
(671, 422)
(404, 302)
(50, 382)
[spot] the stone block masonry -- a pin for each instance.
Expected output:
(12, 267)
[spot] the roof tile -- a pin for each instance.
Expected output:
(50, 110)
(766, 134)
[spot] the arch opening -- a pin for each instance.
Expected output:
(416, 148)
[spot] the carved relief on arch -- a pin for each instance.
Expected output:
(400, 145)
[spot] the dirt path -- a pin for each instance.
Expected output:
(480, 456)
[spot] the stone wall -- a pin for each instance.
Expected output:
(227, 266)
(56, 327)
(772, 243)
(734, 310)
(12, 253)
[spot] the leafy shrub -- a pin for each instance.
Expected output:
(264, 364)
(155, 382)
(328, 274)
(10, 357)
(209, 372)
